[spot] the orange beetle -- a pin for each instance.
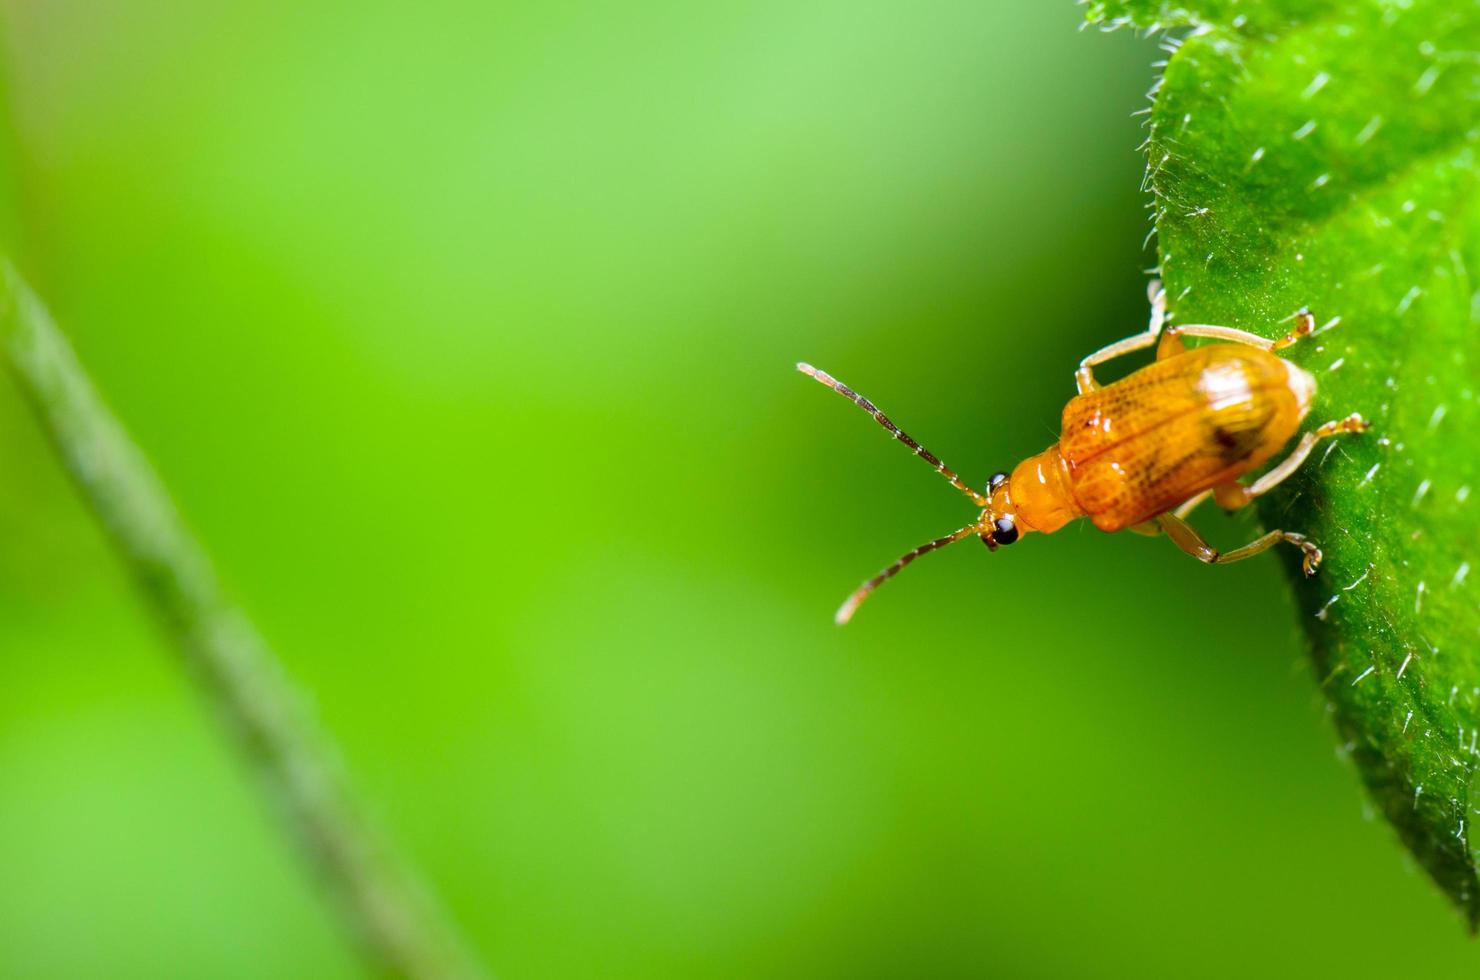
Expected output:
(1141, 453)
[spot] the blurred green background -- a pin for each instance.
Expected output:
(464, 334)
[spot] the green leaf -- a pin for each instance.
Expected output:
(1248, 17)
(1324, 154)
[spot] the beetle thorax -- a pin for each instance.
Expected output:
(1037, 494)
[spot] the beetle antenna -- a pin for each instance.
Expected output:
(903, 437)
(851, 604)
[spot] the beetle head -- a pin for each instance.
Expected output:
(998, 523)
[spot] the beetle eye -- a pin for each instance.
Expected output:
(1004, 530)
(996, 481)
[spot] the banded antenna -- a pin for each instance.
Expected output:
(850, 605)
(894, 430)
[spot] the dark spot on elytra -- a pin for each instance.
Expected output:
(1238, 442)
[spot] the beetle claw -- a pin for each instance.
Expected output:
(1312, 561)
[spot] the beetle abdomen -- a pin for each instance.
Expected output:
(1177, 427)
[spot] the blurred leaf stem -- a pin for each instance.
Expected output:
(397, 925)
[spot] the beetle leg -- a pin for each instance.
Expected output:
(1184, 536)
(1230, 334)
(1189, 505)
(1084, 378)
(1231, 496)
(1171, 343)
(1305, 324)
